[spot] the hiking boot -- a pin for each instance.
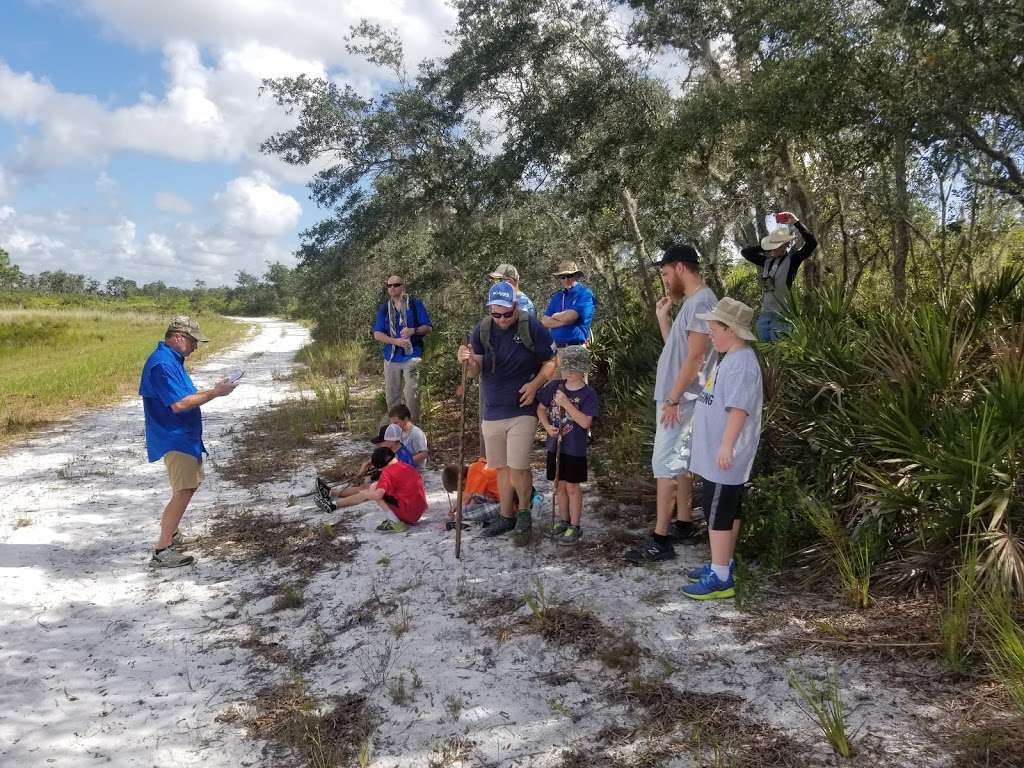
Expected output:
(684, 533)
(710, 587)
(557, 528)
(651, 551)
(393, 526)
(571, 536)
(170, 558)
(499, 526)
(524, 526)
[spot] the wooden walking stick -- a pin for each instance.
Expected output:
(462, 458)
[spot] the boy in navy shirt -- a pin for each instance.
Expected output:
(568, 407)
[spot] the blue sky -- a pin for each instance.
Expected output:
(130, 131)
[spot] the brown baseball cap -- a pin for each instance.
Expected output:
(505, 270)
(188, 326)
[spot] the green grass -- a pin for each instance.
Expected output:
(54, 363)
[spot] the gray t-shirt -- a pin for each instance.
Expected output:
(415, 440)
(677, 346)
(734, 383)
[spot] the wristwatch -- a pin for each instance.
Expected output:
(671, 402)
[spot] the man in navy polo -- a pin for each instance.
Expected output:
(570, 309)
(401, 323)
(174, 428)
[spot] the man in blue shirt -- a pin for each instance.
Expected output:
(402, 322)
(514, 355)
(509, 274)
(570, 309)
(174, 428)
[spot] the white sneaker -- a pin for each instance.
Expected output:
(170, 558)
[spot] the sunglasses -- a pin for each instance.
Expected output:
(503, 315)
(566, 277)
(394, 285)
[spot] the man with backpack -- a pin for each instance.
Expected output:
(514, 355)
(402, 322)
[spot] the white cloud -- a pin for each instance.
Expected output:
(171, 203)
(253, 207)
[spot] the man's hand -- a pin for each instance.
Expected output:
(662, 307)
(408, 332)
(785, 217)
(465, 353)
(724, 457)
(670, 415)
(526, 393)
(223, 387)
(404, 344)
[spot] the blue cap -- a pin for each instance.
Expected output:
(501, 295)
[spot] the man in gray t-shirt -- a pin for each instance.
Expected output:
(682, 361)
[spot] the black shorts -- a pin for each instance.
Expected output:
(723, 505)
(571, 469)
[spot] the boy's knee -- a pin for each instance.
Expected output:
(573, 489)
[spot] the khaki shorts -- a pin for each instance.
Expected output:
(184, 470)
(508, 442)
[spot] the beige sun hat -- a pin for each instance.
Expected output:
(567, 268)
(734, 314)
(188, 326)
(775, 238)
(503, 271)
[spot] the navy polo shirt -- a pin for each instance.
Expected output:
(509, 366)
(164, 382)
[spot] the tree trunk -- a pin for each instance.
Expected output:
(642, 261)
(901, 239)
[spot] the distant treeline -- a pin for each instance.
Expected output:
(272, 293)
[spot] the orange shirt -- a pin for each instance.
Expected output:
(481, 479)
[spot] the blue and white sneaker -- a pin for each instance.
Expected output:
(710, 587)
(694, 574)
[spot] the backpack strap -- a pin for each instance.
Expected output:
(417, 340)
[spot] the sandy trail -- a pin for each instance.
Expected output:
(105, 661)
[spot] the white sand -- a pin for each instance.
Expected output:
(107, 662)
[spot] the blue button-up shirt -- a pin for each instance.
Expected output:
(390, 322)
(579, 298)
(164, 382)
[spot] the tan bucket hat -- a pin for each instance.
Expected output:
(734, 314)
(567, 269)
(777, 237)
(188, 326)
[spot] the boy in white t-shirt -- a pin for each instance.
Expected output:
(726, 432)
(413, 438)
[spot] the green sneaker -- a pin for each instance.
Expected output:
(393, 526)
(524, 526)
(499, 526)
(557, 529)
(571, 536)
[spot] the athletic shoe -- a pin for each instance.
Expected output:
(170, 558)
(710, 587)
(524, 525)
(393, 526)
(684, 533)
(500, 526)
(324, 505)
(323, 490)
(651, 551)
(177, 540)
(557, 529)
(695, 574)
(571, 536)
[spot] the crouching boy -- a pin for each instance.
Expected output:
(567, 407)
(398, 489)
(726, 432)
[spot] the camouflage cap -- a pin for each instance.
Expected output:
(574, 358)
(188, 326)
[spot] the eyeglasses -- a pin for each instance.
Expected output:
(503, 315)
(394, 285)
(496, 280)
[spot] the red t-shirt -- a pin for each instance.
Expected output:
(405, 485)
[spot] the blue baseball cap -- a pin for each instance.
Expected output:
(501, 295)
